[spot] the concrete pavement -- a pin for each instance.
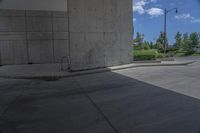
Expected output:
(53, 71)
(142, 100)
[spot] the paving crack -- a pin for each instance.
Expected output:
(97, 107)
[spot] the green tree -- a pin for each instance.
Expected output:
(178, 38)
(159, 46)
(160, 41)
(146, 45)
(139, 39)
(186, 42)
(194, 37)
(151, 45)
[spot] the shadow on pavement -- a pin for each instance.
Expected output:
(97, 103)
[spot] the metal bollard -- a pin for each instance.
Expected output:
(0, 60)
(63, 61)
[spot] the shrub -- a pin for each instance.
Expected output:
(146, 47)
(171, 53)
(190, 52)
(140, 55)
(160, 55)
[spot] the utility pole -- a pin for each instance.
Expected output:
(165, 31)
(165, 26)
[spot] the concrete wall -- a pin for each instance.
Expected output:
(33, 36)
(50, 5)
(97, 34)
(100, 33)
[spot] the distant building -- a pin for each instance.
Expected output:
(88, 34)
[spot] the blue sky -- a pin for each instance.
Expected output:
(148, 17)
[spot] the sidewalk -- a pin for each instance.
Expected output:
(53, 72)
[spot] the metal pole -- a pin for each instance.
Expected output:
(165, 27)
(69, 39)
(165, 30)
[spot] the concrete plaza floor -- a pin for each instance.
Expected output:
(135, 100)
(54, 71)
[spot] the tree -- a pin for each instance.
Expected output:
(146, 45)
(160, 41)
(178, 38)
(139, 40)
(151, 45)
(194, 37)
(159, 46)
(186, 42)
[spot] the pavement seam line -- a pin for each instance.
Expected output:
(97, 107)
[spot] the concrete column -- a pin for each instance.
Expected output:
(100, 33)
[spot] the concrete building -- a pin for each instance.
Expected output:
(90, 33)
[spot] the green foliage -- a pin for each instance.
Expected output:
(160, 42)
(189, 52)
(144, 55)
(197, 53)
(173, 49)
(146, 45)
(139, 40)
(140, 55)
(186, 42)
(159, 46)
(194, 37)
(171, 54)
(151, 45)
(178, 38)
(160, 55)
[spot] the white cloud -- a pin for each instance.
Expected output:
(134, 19)
(139, 7)
(196, 20)
(187, 17)
(155, 12)
(184, 16)
(153, 0)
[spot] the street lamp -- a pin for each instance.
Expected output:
(165, 26)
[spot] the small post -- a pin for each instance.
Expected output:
(69, 63)
(0, 60)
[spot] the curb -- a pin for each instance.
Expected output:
(150, 61)
(56, 76)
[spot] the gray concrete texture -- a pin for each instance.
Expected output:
(53, 5)
(104, 29)
(142, 100)
(33, 36)
(98, 33)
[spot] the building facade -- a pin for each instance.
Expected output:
(85, 33)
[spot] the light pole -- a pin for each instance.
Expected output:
(165, 26)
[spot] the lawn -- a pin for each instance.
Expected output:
(184, 53)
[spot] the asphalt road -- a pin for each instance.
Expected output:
(138, 100)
